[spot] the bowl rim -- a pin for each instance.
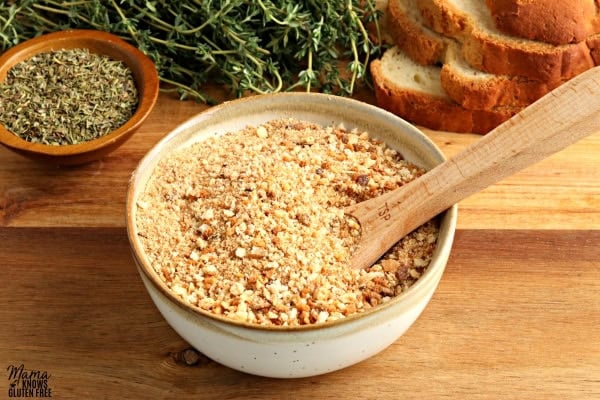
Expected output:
(147, 84)
(155, 154)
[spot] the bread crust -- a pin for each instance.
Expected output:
(434, 112)
(417, 41)
(556, 22)
(593, 43)
(504, 55)
(553, 65)
(488, 91)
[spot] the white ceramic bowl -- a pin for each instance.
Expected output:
(307, 350)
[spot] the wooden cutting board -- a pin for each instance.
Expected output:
(515, 316)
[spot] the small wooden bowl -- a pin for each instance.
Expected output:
(144, 73)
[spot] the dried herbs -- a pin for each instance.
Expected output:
(249, 46)
(67, 97)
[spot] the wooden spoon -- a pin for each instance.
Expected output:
(561, 118)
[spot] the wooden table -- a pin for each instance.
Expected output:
(517, 314)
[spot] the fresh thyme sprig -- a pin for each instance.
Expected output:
(256, 46)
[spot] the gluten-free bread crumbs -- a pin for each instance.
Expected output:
(250, 225)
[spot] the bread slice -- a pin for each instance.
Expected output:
(484, 91)
(414, 92)
(488, 49)
(556, 22)
(407, 29)
(467, 86)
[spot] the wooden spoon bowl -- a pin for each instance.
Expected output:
(144, 73)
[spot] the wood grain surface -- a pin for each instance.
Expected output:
(516, 315)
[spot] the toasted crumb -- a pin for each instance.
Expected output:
(250, 225)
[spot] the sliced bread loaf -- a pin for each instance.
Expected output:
(556, 22)
(466, 85)
(486, 48)
(414, 92)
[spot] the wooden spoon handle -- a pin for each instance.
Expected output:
(561, 118)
